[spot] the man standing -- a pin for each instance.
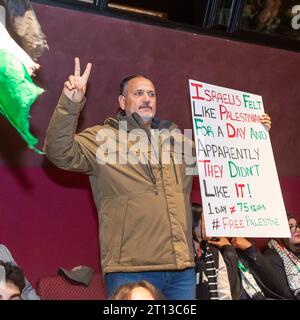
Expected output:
(143, 204)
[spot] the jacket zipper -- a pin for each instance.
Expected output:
(174, 168)
(151, 174)
(149, 166)
(171, 154)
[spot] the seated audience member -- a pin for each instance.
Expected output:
(211, 271)
(284, 256)
(28, 293)
(12, 281)
(251, 277)
(142, 290)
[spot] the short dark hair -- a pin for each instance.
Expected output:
(290, 216)
(197, 211)
(124, 82)
(124, 291)
(14, 275)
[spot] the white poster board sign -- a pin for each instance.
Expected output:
(240, 190)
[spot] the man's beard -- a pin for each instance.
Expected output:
(147, 117)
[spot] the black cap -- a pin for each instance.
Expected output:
(80, 275)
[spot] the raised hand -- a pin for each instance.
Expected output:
(220, 243)
(241, 243)
(75, 86)
(266, 121)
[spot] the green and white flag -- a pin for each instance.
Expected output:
(17, 94)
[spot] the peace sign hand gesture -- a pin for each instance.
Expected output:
(75, 86)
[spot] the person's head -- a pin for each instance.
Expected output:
(293, 243)
(12, 281)
(142, 290)
(199, 232)
(137, 94)
(197, 221)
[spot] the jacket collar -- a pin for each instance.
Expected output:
(134, 121)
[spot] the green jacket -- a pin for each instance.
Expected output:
(144, 209)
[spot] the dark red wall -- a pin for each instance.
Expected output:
(48, 219)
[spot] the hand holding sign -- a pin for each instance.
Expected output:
(266, 121)
(221, 243)
(241, 243)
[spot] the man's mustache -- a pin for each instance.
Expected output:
(145, 105)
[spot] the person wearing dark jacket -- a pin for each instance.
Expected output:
(250, 276)
(284, 256)
(211, 271)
